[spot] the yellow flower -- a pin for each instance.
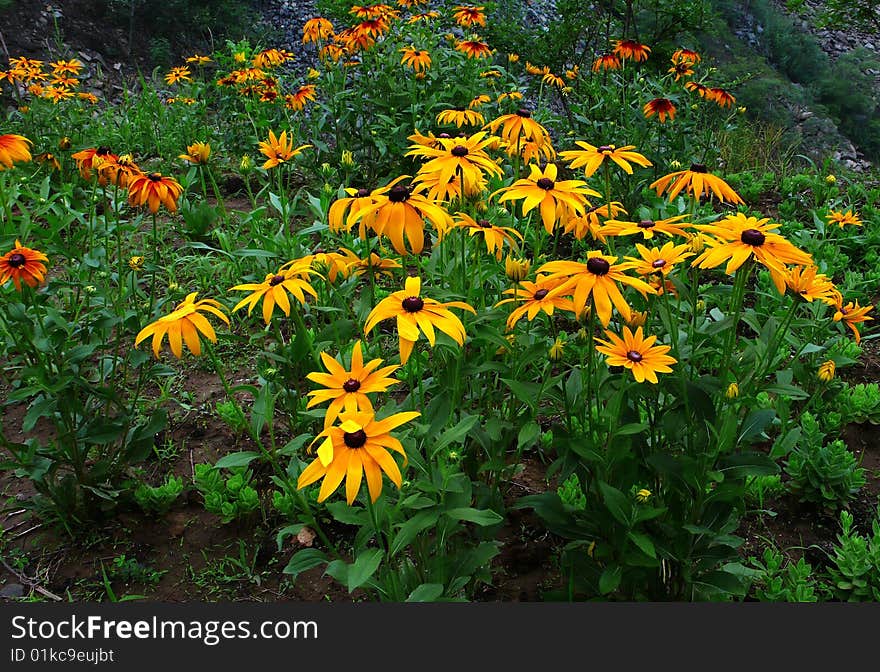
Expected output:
(347, 159)
(851, 314)
(463, 157)
(516, 269)
(136, 263)
(494, 236)
(153, 190)
(826, 371)
(14, 148)
(197, 153)
(178, 74)
(279, 149)
(697, 181)
(184, 325)
(636, 353)
(274, 289)
(355, 448)
(732, 391)
(592, 157)
(643, 495)
(830, 179)
(415, 313)
(417, 59)
(460, 116)
(535, 297)
(556, 350)
(843, 218)
(22, 263)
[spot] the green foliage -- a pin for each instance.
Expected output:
(571, 493)
(780, 580)
(855, 570)
(158, 499)
(130, 570)
(229, 497)
(860, 403)
(761, 488)
(230, 412)
(824, 474)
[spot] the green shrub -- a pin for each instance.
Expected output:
(158, 499)
(780, 581)
(855, 574)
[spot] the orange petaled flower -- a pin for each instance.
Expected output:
(317, 30)
(494, 236)
(843, 218)
(682, 69)
(722, 97)
(851, 314)
(184, 325)
(418, 59)
(659, 260)
(478, 101)
(468, 15)
(662, 107)
(197, 153)
(591, 157)
(14, 148)
(701, 89)
(153, 189)
(630, 49)
(686, 56)
(347, 390)
(399, 211)
(598, 277)
(697, 181)
(739, 238)
(606, 62)
(117, 171)
(636, 353)
(375, 264)
(517, 127)
(198, 59)
(474, 48)
(274, 289)
(357, 201)
(47, 158)
(73, 67)
(534, 152)
(87, 157)
(555, 200)
(807, 283)
(358, 447)
(414, 314)
(826, 371)
(298, 99)
(22, 263)
(672, 226)
(554, 80)
(279, 150)
(589, 222)
(424, 16)
(464, 157)
(535, 297)
(179, 74)
(460, 116)
(269, 58)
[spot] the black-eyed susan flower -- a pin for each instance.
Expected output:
(590, 222)
(534, 152)
(474, 48)
(596, 278)
(347, 390)
(178, 74)
(374, 264)
(700, 89)
(14, 149)
(153, 190)
(535, 297)
(465, 157)
(807, 283)
(494, 236)
(357, 200)
(48, 159)
(417, 314)
(469, 15)
(317, 29)
(681, 69)
(671, 226)
(198, 59)
(697, 181)
(659, 260)
(852, 314)
(826, 371)
(85, 158)
(400, 211)
(117, 171)
(183, 325)
(722, 97)
(518, 127)
(551, 79)
(662, 107)
(555, 200)
(636, 353)
(606, 62)
(478, 101)
(686, 56)
(737, 238)
(357, 447)
(591, 158)
(732, 391)
(278, 150)
(460, 116)
(424, 16)
(417, 59)
(197, 153)
(274, 290)
(298, 99)
(22, 264)
(843, 218)
(631, 50)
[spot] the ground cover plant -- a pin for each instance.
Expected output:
(394, 322)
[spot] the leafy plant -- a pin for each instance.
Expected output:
(158, 499)
(781, 580)
(229, 497)
(855, 573)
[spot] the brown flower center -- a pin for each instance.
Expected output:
(485, 223)
(646, 224)
(541, 293)
(362, 193)
(351, 385)
(698, 168)
(523, 113)
(598, 266)
(459, 108)
(398, 193)
(355, 439)
(545, 183)
(17, 260)
(155, 177)
(412, 304)
(658, 263)
(752, 237)
(634, 356)
(459, 150)
(605, 148)
(276, 280)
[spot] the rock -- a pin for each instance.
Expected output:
(12, 590)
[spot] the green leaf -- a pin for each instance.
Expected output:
(644, 543)
(241, 459)
(363, 568)
(348, 515)
(303, 560)
(455, 434)
(616, 502)
(610, 579)
(528, 393)
(483, 517)
(528, 434)
(427, 592)
(755, 424)
(289, 531)
(411, 528)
